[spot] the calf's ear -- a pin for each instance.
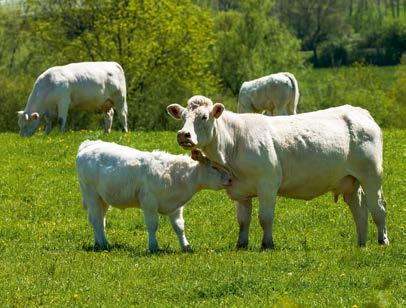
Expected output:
(197, 155)
(217, 110)
(34, 116)
(175, 111)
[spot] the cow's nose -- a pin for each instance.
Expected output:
(184, 135)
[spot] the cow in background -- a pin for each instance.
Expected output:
(89, 86)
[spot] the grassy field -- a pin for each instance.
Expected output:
(47, 256)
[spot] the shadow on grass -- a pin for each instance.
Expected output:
(134, 251)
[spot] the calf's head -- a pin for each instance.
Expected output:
(212, 176)
(199, 118)
(28, 123)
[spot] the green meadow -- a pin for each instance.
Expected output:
(47, 255)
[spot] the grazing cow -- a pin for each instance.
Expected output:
(156, 182)
(276, 94)
(301, 156)
(85, 86)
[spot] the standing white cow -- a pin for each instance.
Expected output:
(157, 182)
(301, 156)
(276, 94)
(86, 86)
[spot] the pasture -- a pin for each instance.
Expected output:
(47, 256)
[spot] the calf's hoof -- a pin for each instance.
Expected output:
(187, 249)
(384, 242)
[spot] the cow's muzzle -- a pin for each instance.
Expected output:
(185, 139)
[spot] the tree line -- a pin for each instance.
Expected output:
(171, 50)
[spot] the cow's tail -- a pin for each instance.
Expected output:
(295, 101)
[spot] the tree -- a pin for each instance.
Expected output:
(163, 46)
(252, 43)
(315, 21)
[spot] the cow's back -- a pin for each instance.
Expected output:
(86, 85)
(271, 89)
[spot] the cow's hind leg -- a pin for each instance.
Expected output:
(96, 209)
(377, 206)
(108, 120)
(243, 210)
(357, 203)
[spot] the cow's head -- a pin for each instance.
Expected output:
(212, 175)
(199, 121)
(28, 123)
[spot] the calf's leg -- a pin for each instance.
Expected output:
(243, 211)
(151, 221)
(178, 225)
(97, 209)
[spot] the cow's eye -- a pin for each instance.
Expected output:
(204, 118)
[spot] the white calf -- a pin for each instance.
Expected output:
(156, 182)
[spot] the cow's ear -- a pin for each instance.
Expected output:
(34, 116)
(197, 155)
(20, 113)
(217, 110)
(175, 111)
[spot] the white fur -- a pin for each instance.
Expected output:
(276, 94)
(88, 86)
(156, 182)
(301, 156)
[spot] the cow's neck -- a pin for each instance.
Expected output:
(220, 150)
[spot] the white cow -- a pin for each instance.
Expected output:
(301, 156)
(276, 94)
(85, 86)
(156, 182)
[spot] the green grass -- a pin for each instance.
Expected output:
(47, 257)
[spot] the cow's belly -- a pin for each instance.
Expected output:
(88, 96)
(311, 186)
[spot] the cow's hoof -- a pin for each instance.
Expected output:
(124, 130)
(266, 246)
(384, 242)
(101, 247)
(242, 246)
(187, 249)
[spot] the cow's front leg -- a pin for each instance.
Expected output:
(243, 209)
(48, 125)
(267, 202)
(178, 225)
(151, 220)
(63, 107)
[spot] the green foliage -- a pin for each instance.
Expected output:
(398, 94)
(163, 46)
(365, 86)
(47, 256)
(251, 44)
